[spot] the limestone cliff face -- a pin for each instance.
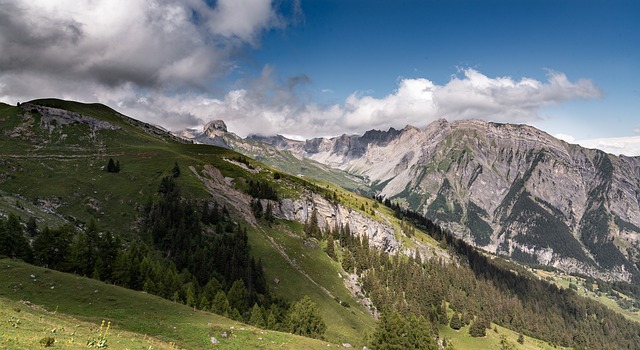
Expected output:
(381, 235)
(511, 189)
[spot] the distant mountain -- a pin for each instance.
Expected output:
(510, 189)
(275, 153)
(202, 225)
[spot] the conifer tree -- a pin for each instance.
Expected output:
(442, 313)
(176, 170)
(238, 296)
(394, 332)
(257, 316)
(478, 328)
(190, 295)
(13, 242)
(330, 250)
(311, 228)
(113, 167)
(304, 319)
(456, 322)
(203, 304)
(235, 315)
(220, 304)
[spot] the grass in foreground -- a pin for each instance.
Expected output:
(76, 306)
(462, 340)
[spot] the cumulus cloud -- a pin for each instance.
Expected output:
(415, 101)
(565, 137)
(157, 60)
(628, 146)
(243, 19)
(149, 43)
(268, 106)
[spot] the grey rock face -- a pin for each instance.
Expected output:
(511, 189)
(381, 235)
(215, 126)
(58, 116)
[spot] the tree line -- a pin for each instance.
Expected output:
(189, 252)
(481, 290)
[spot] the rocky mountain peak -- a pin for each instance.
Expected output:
(511, 189)
(214, 127)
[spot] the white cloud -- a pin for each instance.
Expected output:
(154, 59)
(243, 19)
(150, 43)
(565, 137)
(628, 146)
(270, 107)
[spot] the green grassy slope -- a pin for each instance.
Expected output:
(46, 172)
(67, 176)
(76, 306)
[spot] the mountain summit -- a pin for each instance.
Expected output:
(510, 189)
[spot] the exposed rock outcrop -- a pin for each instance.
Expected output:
(381, 235)
(58, 116)
(511, 189)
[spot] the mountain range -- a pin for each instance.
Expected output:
(510, 189)
(363, 240)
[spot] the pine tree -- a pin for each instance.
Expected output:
(113, 167)
(203, 304)
(521, 338)
(190, 295)
(304, 319)
(418, 336)
(456, 322)
(13, 242)
(257, 316)
(32, 227)
(235, 315)
(330, 250)
(176, 170)
(389, 333)
(238, 296)
(311, 228)
(442, 314)
(478, 328)
(220, 304)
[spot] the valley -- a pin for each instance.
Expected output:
(206, 238)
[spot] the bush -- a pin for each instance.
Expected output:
(477, 329)
(47, 341)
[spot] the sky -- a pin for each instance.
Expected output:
(313, 68)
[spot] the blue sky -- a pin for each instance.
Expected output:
(323, 68)
(347, 46)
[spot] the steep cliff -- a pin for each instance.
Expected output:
(511, 189)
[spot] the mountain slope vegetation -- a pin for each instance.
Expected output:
(89, 191)
(510, 189)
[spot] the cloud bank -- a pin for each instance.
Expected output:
(149, 44)
(160, 60)
(270, 107)
(628, 146)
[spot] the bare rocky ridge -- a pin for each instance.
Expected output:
(56, 116)
(511, 189)
(381, 235)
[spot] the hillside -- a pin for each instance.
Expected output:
(70, 309)
(89, 191)
(215, 133)
(510, 189)
(54, 158)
